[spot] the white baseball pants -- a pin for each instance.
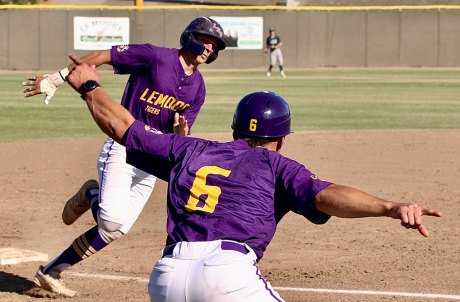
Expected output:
(276, 56)
(124, 189)
(209, 271)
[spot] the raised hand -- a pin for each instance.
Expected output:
(47, 84)
(39, 85)
(81, 73)
(180, 126)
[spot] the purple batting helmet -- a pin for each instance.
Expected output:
(262, 114)
(204, 26)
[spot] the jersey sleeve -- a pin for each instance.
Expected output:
(296, 190)
(132, 58)
(153, 152)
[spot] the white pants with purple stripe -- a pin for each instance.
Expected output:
(124, 189)
(217, 271)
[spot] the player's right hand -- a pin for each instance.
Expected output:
(411, 216)
(81, 73)
(38, 85)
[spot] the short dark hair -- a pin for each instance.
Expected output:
(254, 141)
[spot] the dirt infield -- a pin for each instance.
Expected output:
(376, 255)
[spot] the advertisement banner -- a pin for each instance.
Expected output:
(242, 32)
(95, 33)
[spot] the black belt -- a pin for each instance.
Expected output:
(225, 245)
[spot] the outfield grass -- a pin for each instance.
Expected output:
(320, 99)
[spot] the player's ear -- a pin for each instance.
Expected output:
(280, 143)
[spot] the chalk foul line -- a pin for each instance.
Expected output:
(315, 290)
(370, 292)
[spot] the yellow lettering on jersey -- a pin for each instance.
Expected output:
(200, 187)
(173, 102)
(167, 103)
(177, 104)
(183, 107)
(151, 97)
(152, 110)
(161, 99)
(144, 94)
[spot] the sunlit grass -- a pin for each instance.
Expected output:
(320, 99)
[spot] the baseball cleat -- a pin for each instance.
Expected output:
(52, 284)
(282, 74)
(78, 204)
(269, 74)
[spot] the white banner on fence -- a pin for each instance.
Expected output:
(93, 33)
(242, 32)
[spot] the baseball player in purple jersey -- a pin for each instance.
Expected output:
(225, 199)
(165, 91)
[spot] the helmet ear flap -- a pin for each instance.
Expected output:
(187, 40)
(212, 58)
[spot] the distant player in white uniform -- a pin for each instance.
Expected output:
(273, 44)
(165, 91)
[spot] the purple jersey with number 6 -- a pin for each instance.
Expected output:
(157, 86)
(224, 190)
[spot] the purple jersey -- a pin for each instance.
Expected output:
(157, 86)
(224, 190)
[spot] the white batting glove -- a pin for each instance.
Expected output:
(51, 82)
(48, 88)
(46, 84)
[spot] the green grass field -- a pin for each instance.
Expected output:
(320, 99)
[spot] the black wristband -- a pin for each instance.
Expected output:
(63, 78)
(88, 86)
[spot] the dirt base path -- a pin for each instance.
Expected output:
(363, 254)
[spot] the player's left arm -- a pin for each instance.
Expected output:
(49, 83)
(347, 202)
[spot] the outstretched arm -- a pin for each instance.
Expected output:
(48, 83)
(112, 118)
(96, 58)
(347, 202)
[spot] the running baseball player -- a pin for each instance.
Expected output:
(273, 45)
(225, 199)
(165, 91)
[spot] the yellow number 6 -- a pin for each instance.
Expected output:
(253, 124)
(199, 188)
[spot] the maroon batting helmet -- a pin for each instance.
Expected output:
(262, 114)
(204, 26)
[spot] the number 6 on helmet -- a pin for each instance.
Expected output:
(262, 114)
